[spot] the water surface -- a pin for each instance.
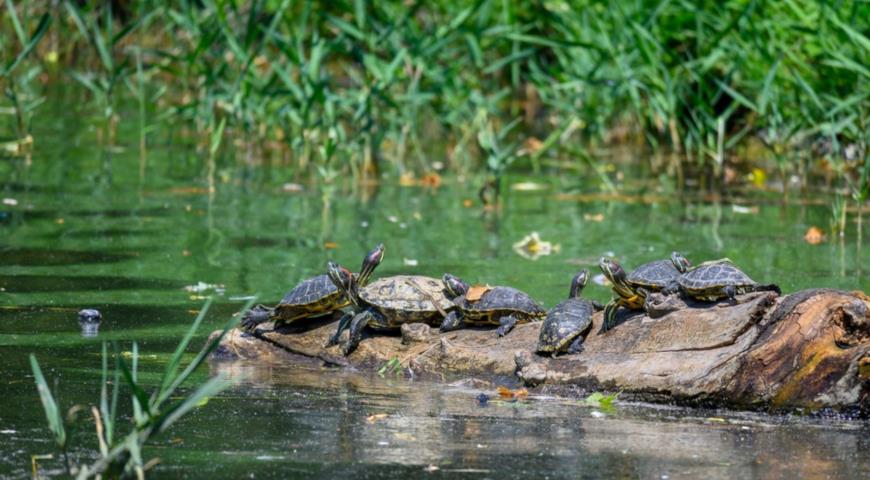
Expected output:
(81, 229)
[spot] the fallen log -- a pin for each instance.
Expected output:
(809, 350)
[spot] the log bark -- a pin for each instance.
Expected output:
(810, 349)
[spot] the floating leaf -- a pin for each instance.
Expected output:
(814, 236)
(372, 419)
(507, 393)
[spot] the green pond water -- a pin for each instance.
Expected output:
(80, 228)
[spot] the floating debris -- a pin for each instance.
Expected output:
(532, 247)
(410, 262)
(202, 287)
(10, 201)
(597, 217)
(372, 419)
(814, 236)
(600, 279)
(507, 393)
(744, 209)
(529, 187)
(293, 188)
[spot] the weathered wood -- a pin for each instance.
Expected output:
(810, 349)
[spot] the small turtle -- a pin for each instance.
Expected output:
(631, 291)
(660, 275)
(568, 322)
(311, 298)
(387, 303)
(503, 306)
(718, 279)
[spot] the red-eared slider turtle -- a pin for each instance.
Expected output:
(660, 275)
(718, 279)
(568, 322)
(312, 297)
(503, 306)
(387, 303)
(631, 291)
(624, 294)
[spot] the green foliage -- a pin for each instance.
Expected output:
(600, 400)
(365, 87)
(152, 414)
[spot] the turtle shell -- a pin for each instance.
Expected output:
(406, 298)
(654, 275)
(498, 301)
(312, 296)
(709, 279)
(564, 323)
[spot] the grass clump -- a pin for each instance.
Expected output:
(120, 455)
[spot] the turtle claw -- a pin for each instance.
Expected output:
(255, 316)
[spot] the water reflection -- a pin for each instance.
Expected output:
(336, 417)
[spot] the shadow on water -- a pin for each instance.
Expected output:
(83, 283)
(24, 256)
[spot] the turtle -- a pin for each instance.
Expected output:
(568, 322)
(387, 303)
(718, 279)
(312, 297)
(660, 275)
(631, 291)
(502, 306)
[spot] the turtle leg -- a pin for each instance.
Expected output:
(671, 288)
(577, 345)
(730, 292)
(609, 315)
(256, 316)
(343, 323)
(452, 321)
(597, 305)
(357, 324)
(507, 323)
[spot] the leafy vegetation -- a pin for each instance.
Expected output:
(121, 456)
(369, 88)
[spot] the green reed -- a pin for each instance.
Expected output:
(371, 88)
(121, 456)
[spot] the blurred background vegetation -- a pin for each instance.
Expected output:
(707, 90)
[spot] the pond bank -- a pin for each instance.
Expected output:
(810, 349)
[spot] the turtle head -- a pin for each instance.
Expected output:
(454, 285)
(372, 260)
(617, 276)
(612, 270)
(578, 283)
(680, 262)
(343, 280)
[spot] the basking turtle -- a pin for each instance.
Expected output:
(631, 291)
(718, 279)
(660, 275)
(568, 322)
(312, 297)
(503, 306)
(624, 294)
(387, 303)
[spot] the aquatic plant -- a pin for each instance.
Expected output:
(374, 88)
(121, 455)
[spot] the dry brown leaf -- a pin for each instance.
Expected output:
(431, 179)
(476, 291)
(507, 393)
(814, 236)
(330, 245)
(467, 203)
(376, 417)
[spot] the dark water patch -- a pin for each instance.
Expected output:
(25, 256)
(84, 283)
(102, 233)
(271, 242)
(37, 214)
